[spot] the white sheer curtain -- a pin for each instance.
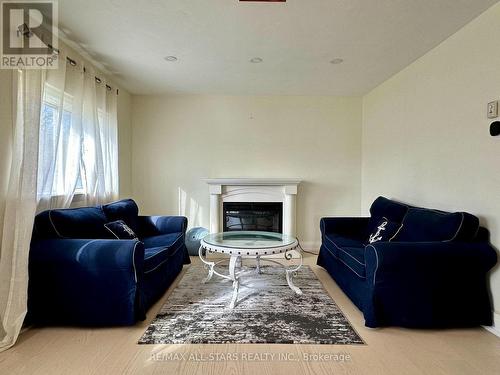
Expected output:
(20, 204)
(78, 142)
(60, 145)
(100, 142)
(64, 143)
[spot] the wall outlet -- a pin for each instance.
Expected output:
(493, 109)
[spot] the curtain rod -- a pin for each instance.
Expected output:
(25, 31)
(74, 63)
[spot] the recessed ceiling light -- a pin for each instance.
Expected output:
(337, 61)
(256, 60)
(171, 58)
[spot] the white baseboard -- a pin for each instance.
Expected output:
(310, 246)
(495, 328)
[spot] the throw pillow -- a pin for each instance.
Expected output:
(126, 210)
(121, 230)
(385, 230)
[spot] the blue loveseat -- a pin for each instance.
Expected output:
(80, 275)
(430, 272)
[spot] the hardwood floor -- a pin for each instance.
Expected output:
(388, 351)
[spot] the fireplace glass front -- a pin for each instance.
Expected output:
(254, 216)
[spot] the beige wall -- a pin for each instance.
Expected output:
(425, 131)
(181, 139)
(5, 135)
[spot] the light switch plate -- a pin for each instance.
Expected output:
(493, 109)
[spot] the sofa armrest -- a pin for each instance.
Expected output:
(86, 282)
(155, 225)
(109, 254)
(352, 227)
(423, 258)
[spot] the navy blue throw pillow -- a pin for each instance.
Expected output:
(385, 230)
(126, 210)
(121, 230)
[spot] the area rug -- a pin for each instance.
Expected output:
(267, 311)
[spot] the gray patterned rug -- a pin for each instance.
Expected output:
(267, 311)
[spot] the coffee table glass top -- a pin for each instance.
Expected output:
(249, 240)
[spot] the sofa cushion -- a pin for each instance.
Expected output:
(82, 223)
(120, 230)
(354, 259)
(125, 210)
(383, 207)
(335, 242)
(159, 249)
(161, 240)
(386, 230)
(421, 224)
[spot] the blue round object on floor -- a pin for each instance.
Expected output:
(193, 238)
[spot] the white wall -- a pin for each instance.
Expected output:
(425, 131)
(179, 140)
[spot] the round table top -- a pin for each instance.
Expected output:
(249, 243)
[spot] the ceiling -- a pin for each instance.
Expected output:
(214, 41)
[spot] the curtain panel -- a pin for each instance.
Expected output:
(20, 204)
(78, 149)
(64, 147)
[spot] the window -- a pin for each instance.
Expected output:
(58, 151)
(77, 142)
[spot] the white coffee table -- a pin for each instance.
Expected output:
(258, 245)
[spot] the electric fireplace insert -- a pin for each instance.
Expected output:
(254, 216)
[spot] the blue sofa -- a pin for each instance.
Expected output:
(429, 273)
(80, 275)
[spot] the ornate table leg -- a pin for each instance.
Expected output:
(291, 271)
(209, 264)
(290, 282)
(257, 260)
(232, 265)
(235, 294)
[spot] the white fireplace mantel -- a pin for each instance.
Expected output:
(253, 190)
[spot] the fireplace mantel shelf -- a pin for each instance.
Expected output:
(253, 181)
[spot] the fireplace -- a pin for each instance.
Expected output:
(281, 191)
(255, 216)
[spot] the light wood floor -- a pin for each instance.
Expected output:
(388, 351)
